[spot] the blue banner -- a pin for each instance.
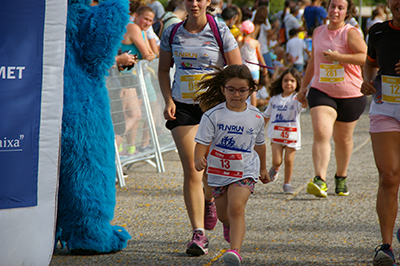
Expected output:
(21, 64)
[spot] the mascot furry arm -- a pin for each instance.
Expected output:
(86, 198)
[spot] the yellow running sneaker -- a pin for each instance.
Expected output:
(341, 187)
(317, 187)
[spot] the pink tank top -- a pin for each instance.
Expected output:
(338, 80)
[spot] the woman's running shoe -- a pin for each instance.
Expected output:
(210, 215)
(199, 244)
(226, 234)
(341, 187)
(317, 187)
(384, 256)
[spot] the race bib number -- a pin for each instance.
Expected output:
(189, 85)
(391, 89)
(331, 73)
(284, 135)
(225, 164)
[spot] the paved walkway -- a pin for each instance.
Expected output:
(280, 230)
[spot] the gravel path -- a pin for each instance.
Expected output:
(280, 230)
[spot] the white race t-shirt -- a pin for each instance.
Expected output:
(262, 37)
(262, 93)
(290, 23)
(284, 123)
(296, 46)
(152, 35)
(194, 54)
(371, 22)
(232, 136)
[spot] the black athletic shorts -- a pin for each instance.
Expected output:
(186, 114)
(348, 109)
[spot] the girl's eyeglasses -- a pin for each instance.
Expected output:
(242, 91)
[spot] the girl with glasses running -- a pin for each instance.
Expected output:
(234, 133)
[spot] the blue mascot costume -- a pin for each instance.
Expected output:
(87, 174)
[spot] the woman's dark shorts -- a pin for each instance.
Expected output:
(348, 109)
(186, 115)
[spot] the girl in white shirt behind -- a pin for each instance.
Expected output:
(283, 113)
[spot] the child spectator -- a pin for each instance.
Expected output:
(230, 15)
(262, 93)
(295, 49)
(251, 55)
(291, 22)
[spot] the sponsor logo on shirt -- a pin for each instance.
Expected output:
(229, 143)
(233, 129)
(250, 131)
(280, 107)
(378, 98)
(186, 65)
(205, 56)
(186, 56)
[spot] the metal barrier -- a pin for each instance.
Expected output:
(137, 107)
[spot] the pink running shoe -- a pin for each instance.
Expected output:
(232, 258)
(199, 244)
(210, 216)
(226, 234)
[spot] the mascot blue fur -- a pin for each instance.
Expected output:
(86, 198)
